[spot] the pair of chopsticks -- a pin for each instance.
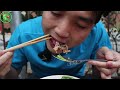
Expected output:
(59, 57)
(42, 38)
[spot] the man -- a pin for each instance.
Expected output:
(81, 31)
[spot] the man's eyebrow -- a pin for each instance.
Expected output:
(87, 20)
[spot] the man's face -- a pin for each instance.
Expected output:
(68, 27)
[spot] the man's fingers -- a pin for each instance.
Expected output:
(106, 53)
(4, 64)
(116, 63)
(98, 63)
(103, 76)
(1, 53)
(109, 64)
(116, 55)
(5, 68)
(5, 57)
(107, 71)
(112, 64)
(109, 55)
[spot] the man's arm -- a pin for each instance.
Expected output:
(18, 59)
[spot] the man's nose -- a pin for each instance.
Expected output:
(63, 29)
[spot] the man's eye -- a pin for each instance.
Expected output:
(80, 26)
(55, 13)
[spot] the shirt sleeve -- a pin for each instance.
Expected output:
(19, 59)
(102, 38)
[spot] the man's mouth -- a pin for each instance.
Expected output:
(58, 47)
(53, 42)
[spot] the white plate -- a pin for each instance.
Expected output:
(59, 77)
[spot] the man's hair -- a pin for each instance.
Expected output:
(99, 14)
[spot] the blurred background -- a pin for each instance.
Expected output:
(7, 28)
(111, 22)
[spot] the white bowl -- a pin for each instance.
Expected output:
(60, 77)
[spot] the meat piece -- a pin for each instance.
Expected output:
(64, 47)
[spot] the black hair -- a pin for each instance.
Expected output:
(99, 14)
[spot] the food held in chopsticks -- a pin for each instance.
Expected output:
(62, 47)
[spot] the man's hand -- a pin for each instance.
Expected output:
(107, 68)
(5, 63)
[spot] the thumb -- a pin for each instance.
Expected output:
(105, 53)
(1, 53)
(5, 57)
